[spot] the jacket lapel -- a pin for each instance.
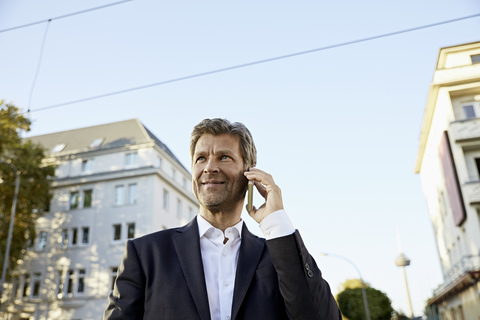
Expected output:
(250, 253)
(187, 246)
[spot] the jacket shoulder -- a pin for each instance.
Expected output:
(163, 236)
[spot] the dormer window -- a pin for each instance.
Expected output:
(58, 147)
(97, 143)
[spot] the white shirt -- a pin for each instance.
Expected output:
(220, 260)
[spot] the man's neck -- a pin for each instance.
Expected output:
(220, 219)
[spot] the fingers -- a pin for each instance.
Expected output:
(263, 181)
(268, 190)
(258, 175)
(261, 189)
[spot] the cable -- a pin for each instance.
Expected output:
(64, 16)
(256, 62)
(38, 66)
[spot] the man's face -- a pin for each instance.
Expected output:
(217, 170)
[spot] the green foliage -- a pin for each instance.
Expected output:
(11, 122)
(351, 304)
(35, 182)
(400, 316)
(352, 284)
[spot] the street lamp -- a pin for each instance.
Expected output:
(364, 293)
(10, 228)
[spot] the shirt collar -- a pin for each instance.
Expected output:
(204, 227)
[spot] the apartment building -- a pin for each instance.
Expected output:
(113, 182)
(448, 162)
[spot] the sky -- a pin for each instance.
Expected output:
(337, 128)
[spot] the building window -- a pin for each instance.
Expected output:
(117, 232)
(60, 284)
(165, 199)
(113, 276)
(131, 159)
(64, 238)
(81, 281)
(190, 213)
(85, 232)
(179, 209)
(87, 166)
(16, 287)
(132, 193)
(173, 174)
(58, 147)
(46, 207)
(184, 183)
(96, 143)
(30, 243)
(37, 280)
(477, 163)
(84, 166)
(74, 200)
(469, 112)
(42, 241)
(71, 276)
(26, 286)
(87, 198)
(475, 58)
(131, 230)
(119, 195)
(158, 162)
(74, 236)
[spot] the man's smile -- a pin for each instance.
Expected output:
(212, 183)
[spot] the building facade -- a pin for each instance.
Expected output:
(448, 162)
(113, 182)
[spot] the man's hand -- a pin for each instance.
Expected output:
(269, 190)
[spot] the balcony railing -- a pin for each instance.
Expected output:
(465, 130)
(467, 264)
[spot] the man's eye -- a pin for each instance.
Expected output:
(199, 159)
(225, 157)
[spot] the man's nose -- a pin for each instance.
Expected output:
(211, 166)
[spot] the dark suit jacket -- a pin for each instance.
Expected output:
(161, 277)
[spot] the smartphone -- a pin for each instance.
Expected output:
(250, 197)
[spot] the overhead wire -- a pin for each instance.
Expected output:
(38, 66)
(248, 64)
(64, 16)
(45, 37)
(389, 34)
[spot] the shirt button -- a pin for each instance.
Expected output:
(224, 253)
(226, 283)
(228, 317)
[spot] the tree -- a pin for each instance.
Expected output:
(352, 284)
(351, 304)
(400, 316)
(35, 183)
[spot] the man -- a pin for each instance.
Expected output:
(214, 268)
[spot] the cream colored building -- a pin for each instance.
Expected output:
(449, 166)
(113, 182)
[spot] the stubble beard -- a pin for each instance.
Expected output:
(222, 200)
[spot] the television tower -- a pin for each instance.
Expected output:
(403, 261)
